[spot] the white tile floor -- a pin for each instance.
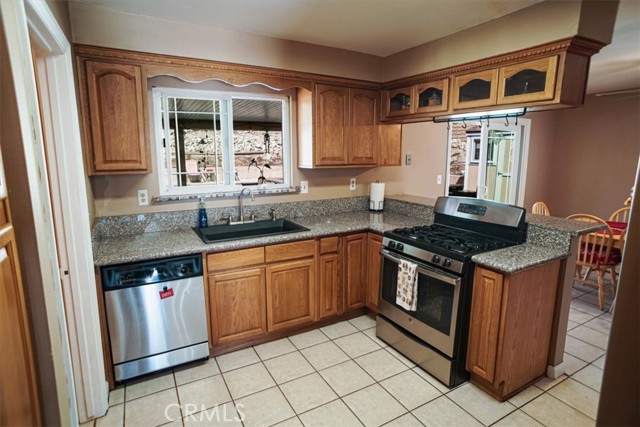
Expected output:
(342, 375)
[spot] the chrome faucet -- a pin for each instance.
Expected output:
(242, 221)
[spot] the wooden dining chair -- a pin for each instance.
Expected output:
(539, 208)
(596, 253)
(621, 215)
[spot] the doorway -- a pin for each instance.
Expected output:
(487, 160)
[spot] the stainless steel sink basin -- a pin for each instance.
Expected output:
(219, 233)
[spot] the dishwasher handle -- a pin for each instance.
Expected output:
(150, 272)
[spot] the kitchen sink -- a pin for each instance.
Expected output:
(219, 233)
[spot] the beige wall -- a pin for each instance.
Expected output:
(104, 27)
(538, 182)
(427, 144)
(538, 24)
(519, 30)
(60, 10)
(595, 154)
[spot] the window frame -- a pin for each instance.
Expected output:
(159, 97)
(473, 139)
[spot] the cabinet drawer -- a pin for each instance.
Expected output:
(232, 259)
(294, 250)
(329, 245)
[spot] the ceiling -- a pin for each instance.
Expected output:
(385, 27)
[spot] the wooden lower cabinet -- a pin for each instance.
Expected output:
(237, 305)
(328, 285)
(355, 271)
(374, 244)
(510, 328)
(290, 294)
(19, 403)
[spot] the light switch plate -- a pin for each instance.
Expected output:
(304, 187)
(407, 159)
(143, 198)
(439, 179)
(352, 184)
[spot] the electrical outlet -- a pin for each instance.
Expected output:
(143, 198)
(304, 187)
(352, 184)
(439, 179)
(407, 159)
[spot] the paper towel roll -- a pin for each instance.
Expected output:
(376, 196)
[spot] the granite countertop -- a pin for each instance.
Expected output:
(139, 247)
(548, 237)
(518, 258)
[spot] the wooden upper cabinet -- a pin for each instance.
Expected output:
(398, 102)
(363, 138)
(432, 97)
(528, 81)
(478, 89)
(390, 145)
(115, 127)
(332, 116)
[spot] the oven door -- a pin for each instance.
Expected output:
(435, 318)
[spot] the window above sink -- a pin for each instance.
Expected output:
(210, 142)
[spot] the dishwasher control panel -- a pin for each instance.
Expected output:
(148, 272)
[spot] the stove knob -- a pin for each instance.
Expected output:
(447, 262)
(435, 259)
(400, 247)
(392, 244)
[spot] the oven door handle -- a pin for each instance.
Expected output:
(427, 271)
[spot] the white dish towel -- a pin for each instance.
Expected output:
(407, 289)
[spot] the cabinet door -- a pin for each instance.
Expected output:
(484, 326)
(118, 138)
(475, 89)
(398, 102)
(355, 271)
(374, 244)
(332, 116)
(390, 143)
(328, 284)
(432, 97)
(528, 82)
(363, 132)
(237, 304)
(290, 294)
(19, 402)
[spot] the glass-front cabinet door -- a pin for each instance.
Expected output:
(432, 96)
(475, 89)
(399, 101)
(528, 81)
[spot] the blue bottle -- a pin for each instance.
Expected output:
(202, 215)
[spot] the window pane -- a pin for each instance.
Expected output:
(196, 146)
(258, 141)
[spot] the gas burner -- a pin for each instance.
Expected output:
(441, 237)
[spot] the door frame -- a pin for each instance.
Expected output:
(53, 68)
(524, 154)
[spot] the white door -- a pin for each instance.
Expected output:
(500, 176)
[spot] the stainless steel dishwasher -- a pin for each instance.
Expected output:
(155, 314)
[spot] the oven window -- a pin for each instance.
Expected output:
(435, 298)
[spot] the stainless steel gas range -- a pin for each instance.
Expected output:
(435, 334)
